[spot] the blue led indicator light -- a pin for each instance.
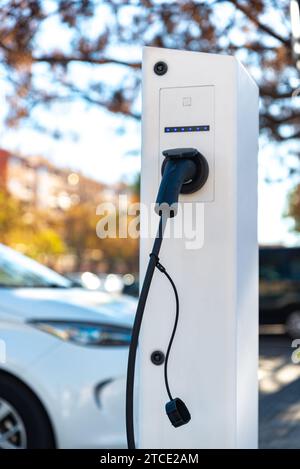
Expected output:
(194, 128)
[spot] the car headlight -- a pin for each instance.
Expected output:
(85, 333)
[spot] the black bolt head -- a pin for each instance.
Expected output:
(157, 357)
(160, 68)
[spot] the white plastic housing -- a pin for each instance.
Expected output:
(213, 363)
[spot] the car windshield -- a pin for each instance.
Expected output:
(18, 271)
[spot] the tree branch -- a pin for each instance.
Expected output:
(86, 97)
(64, 60)
(269, 92)
(263, 27)
(278, 121)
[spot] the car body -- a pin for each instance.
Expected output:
(279, 285)
(66, 350)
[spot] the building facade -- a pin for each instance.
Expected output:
(40, 184)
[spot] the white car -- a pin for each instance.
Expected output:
(63, 355)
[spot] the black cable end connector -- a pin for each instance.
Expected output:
(177, 412)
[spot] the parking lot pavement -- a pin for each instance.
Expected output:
(279, 400)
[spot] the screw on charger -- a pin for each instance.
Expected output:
(157, 357)
(160, 68)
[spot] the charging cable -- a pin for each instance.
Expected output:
(184, 170)
(162, 269)
(136, 332)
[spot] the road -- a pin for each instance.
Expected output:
(279, 403)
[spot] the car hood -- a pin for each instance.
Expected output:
(67, 303)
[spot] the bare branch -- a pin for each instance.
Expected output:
(57, 59)
(269, 92)
(263, 27)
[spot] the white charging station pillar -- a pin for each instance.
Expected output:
(213, 362)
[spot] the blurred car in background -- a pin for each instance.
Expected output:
(131, 285)
(279, 284)
(110, 283)
(62, 380)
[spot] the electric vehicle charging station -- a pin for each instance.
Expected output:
(209, 103)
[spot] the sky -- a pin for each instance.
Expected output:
(107, 146)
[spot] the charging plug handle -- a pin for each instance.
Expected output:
(184, 170)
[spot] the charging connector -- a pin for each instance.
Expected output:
(184, 170)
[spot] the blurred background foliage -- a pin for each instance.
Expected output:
(46, 238)
(258, 32)
(67, 51)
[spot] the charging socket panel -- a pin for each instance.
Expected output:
(187, 120)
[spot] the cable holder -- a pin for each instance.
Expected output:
(160, 267)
